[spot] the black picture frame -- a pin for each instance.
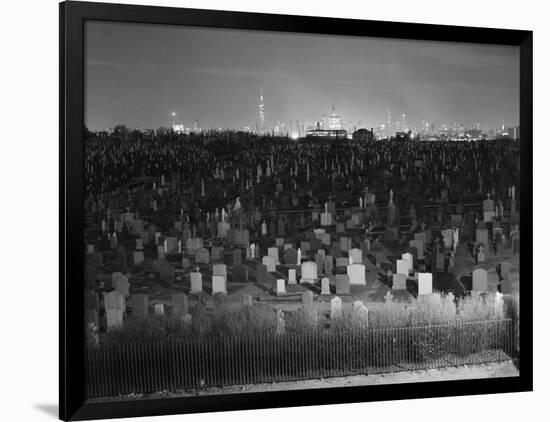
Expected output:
(72, 17)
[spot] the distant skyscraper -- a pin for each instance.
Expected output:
(334, 121)
(261, 112)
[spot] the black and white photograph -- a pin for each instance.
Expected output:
(283, 211)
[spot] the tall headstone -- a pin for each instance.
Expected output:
(479, 280)
(196, 282)
(325, 286)
(281, 286)
(425, 284)
(292, 276)
(402, 266)
(274, 252)
(399, 282)
(342, 284)
(269, 262)
(219, 284)
(356, 255)
(309, 272)
(356, 273)
(335, 308)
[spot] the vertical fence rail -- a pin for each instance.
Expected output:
(179, 365)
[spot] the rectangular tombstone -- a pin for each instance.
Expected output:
(292, 276)
(140, 305)
(180, 305)
(290, 256)
(114, 318)
(356, 255)
(342, 262)
(419, 245)
(219, 284)
(325, 286)
(420, 237)
(220, 269)
(328, 264)
(479, 280)
(356, 273)
(340, 228)
(202, 256)
(269, 262)
(482, 236)
(196, 282)
(281, 286)
(325, 239)
(158, 309)
(261, 273)
(274, 252)
(240, 274)
(139, 258)
(309, 272)
(171, 245)
(335, 308)
(160, 252)
(279, 242)
(342, 284)
(402, 267)
(425, 284)
(399, 282)
(409, 258)
(216, 253)
(345, 243)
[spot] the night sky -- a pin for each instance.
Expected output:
(138, 74)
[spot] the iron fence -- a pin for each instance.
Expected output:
(179, 365)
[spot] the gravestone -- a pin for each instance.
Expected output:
(342, 284)
(269, 262)
(246, 300)
(216, 253)
(482, 236)
(140, 305)
(399, 282)
(402, 266)
(274, 252)
(309, 272)
(196, 282)
(342, 262)
(290, 256)
(504, 270)
(325, 286)
(409, 258)
(180, 305)
(139, 258)
(307, 298)
(171, 245)
(158, 309)
(319, 261)
(305, 247)
(447, 238)
(325, 239)
(345, 244)
(261, 273)
(292, 276)
(356, 273)
(202, 256)
(115, 306)
(220, 269)
(237, 256)
(328, 264)
(120, 283)
(239, 274)
(479, 280)
(356, 255)
(419, 245)
(425, 284)
(335, 308)
(219, 284)
(340, 228)
(281, 287)
(185, 262)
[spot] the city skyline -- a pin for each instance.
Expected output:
(140, 75)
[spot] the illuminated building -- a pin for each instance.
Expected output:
(334, 121)
(261, 112)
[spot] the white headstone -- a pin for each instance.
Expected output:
(335, 308)
(402, 266)
(281, 288)
(479, 280)
(219, 284)
(269, 262)
(196, 282)
(409, 258)
(292, 276)
(309, 272)
(356, 274)
(274, 252)
(356, 255)
(425, 284)
(325, 286)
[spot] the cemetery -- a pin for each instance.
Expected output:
(287, 250)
